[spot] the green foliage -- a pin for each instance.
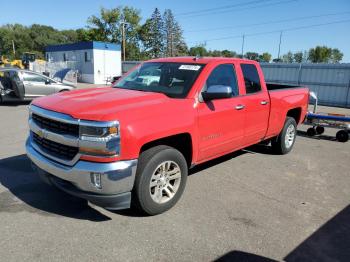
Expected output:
(319, 54)
(336, 55)
(160, 35)
(265, 57)
(298, 57)
(198, 50)
(174, 42)
(288, 58)
(252, 56)
(324, 54)
(153, 35)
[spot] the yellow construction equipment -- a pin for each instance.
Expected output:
(23, 63)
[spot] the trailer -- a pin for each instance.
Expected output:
(320, 121)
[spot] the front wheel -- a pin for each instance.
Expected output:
(160, 179)
(284, 143)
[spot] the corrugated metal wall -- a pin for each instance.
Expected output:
(331, 82)
(127, 65)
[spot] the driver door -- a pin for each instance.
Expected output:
(221, 121)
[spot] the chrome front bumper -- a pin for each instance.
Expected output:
(116, 177)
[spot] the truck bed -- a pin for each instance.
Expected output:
(277, 86)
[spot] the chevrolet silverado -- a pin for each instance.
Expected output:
(134, 143)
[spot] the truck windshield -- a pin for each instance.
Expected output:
(172, 79)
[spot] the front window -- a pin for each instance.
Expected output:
(172, 79)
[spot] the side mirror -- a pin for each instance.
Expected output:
(217, 92)
(47, 82)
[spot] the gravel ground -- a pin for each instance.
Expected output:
(249, 205)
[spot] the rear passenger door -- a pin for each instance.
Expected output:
(220, 121)
(256, 102)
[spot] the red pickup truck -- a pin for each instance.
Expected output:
(135, 142)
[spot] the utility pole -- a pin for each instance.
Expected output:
(171, 44)
(14, 48)
(123, 23)
(279, 46)
(242, 45)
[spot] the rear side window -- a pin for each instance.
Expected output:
(224, 75)
(251, 78)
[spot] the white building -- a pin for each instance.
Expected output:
(96, 61)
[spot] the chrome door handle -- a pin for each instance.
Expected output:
(239, 107)
(264, 102)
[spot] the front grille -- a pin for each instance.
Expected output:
(56, 126)
(60, 151)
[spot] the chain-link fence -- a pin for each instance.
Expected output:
(68, 70)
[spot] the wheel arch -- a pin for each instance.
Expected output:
(182, 142)
(295, 113)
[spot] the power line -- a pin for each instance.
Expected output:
(221, 7)
(268, 22)
(274, 31)
(240, 9)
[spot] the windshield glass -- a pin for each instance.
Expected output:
(172, 79)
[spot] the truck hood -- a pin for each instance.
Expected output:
(99, 104)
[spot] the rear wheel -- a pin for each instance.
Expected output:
(284, 143)
(160, 179)
(342, 136)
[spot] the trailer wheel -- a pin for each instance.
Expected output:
(319, 130)
(311, 131)
(342, 136)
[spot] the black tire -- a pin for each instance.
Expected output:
(147, 165)
(279, 144)
(342, 136)
(319, 130)
(311, 131)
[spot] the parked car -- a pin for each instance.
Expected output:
(20, 85)
(136, 141)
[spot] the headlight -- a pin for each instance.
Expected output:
(99, 140)
(102, 133)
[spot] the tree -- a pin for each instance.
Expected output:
(320, 54)
(252, 56)
(152, 35)
(174, 42)
(108, 28)
(227, 53)
(298, 57)
(336, 56)
(288, 58)
(198, 50)
(265, 57)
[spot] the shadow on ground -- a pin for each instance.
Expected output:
(239, 256)
(26, 192)
(331, 242)
(317, 137)
(14, 103)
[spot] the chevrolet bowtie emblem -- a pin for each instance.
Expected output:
(41, 133)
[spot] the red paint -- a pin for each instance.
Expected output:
(216, 127)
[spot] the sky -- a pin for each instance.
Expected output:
(218, 24)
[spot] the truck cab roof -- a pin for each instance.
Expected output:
(200, 60)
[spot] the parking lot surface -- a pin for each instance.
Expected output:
(248, 205)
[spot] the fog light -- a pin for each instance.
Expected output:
(96, 180)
